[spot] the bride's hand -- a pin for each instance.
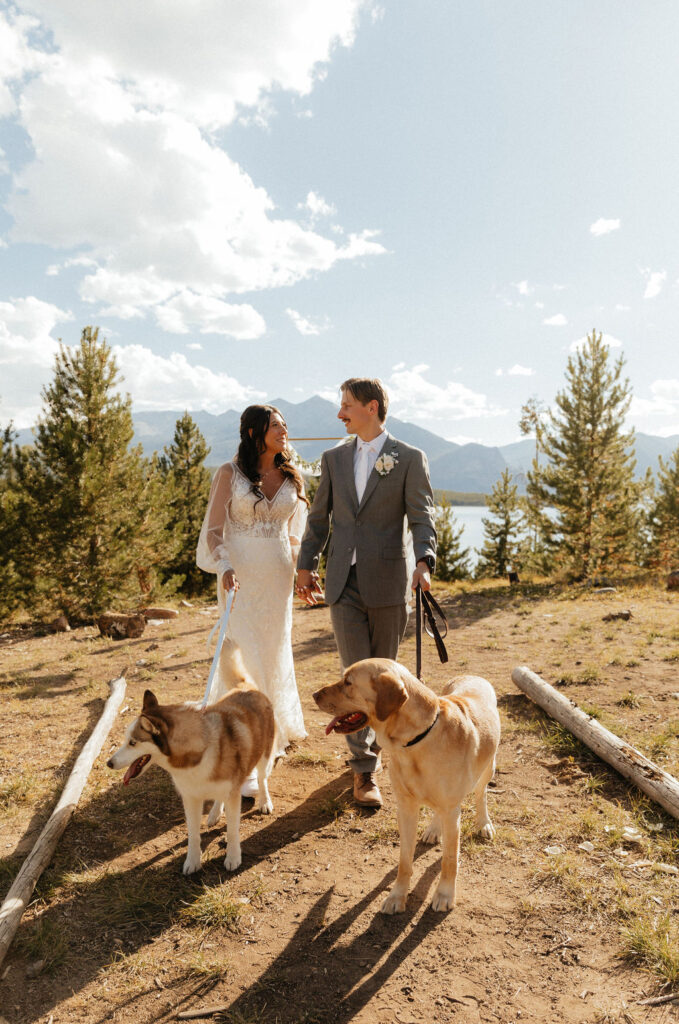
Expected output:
(229, 581)
(308, 585)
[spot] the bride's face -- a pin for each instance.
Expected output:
(276, 437)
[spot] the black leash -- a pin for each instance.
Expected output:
(426, 606)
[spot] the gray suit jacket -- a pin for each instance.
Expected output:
(375, 527)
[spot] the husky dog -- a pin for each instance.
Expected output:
(208, 753)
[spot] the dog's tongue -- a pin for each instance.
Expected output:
(134, 769)
(330, 727)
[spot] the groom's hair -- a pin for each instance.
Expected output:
(367, 389)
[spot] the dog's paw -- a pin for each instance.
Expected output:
(191, 864)
(215, 814)
(432, 833)
(266, 807)
(232, 861)
(487, 831)
(395, 903)
(443, 900)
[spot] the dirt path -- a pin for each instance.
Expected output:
(117, 933)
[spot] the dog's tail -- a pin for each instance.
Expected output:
(232, 671)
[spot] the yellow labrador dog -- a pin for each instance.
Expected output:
(440, 749)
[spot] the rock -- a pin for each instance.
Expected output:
(673, 580)
(59, 625)
(34, 969)
(121, 627)
(185, 604)
(612, 616)
(159, 613)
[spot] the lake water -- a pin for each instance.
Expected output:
(469, 517)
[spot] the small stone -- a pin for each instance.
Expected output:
(34, 969)
(586, 846)
(554, 851)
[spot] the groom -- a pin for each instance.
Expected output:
(368, 487)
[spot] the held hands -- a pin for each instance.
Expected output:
(308, 585)
(421, 576)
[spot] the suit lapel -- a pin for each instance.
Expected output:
(346, 461)
(374, 477)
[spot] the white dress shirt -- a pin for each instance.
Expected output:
(365, 457)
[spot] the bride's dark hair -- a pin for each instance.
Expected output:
(254, 423)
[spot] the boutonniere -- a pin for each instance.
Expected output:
(386, 463)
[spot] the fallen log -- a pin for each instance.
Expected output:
(627, 760)
(22, 888)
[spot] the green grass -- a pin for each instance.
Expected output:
(653, 946)
(628, 700)
(214, 907)
(19, 789)
(585, 676)
(46, 941)
(309, 759)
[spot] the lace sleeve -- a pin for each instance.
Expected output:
(212, 553)
(296, 527)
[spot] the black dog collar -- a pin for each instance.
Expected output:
(417, 739)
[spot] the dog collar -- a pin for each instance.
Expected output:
(417, 739)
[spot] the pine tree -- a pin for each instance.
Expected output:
(536, 548)
(502, 530)
(188, 487)
(587, 475)
(95, 508)
(664, 516)
(14, 586)
(452, 560)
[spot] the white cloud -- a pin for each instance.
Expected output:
(127, 173)
(539, 305)
(27, 352)
(607, 339)
(499, 372)
(524, 288)
(306, 326)
(172, 382)
(602, 226)
(187, 310)
(317, 207)
(238, 51)
(655, 279)
(663, 401)
(413, 397)
(195, 346)
(520, 371)
(622, 309)
(558, 320)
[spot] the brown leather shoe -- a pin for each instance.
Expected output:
(366, 793)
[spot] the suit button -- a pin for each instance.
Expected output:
(350, 549)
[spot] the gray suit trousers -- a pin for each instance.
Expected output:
(362, 632)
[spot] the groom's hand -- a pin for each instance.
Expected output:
(308, 586)
(422, 576)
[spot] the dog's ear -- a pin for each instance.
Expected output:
(151, 725)
(391, 694)
(157, 729)
(150, 702)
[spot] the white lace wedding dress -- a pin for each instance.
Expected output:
(259, 539)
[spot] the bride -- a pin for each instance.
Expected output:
(250, 537)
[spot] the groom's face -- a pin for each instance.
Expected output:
(354, 415)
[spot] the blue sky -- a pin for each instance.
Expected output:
(260, 199)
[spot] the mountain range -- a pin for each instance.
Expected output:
(455, 467)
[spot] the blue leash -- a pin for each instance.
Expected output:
(221, 624)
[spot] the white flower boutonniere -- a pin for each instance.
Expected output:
(385, 463)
